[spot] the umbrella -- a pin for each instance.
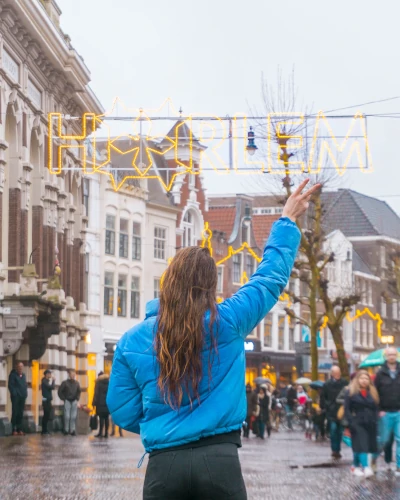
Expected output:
(376, 358)
(303, 381)
(317, 384)
(262, 380)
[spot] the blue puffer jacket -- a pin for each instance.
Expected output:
(133, 397)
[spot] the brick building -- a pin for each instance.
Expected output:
(42, 322)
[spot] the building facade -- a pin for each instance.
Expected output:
(42, 220)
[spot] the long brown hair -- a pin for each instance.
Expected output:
(188, 291)
(355, 385)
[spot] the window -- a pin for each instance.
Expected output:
(188, 230)
(86, 282)
(220, 283)
(135, 297)
(364, 333)
(279, 210)
(122, 295)
(291, 338)
(268, 330)
(292, 285)
(85, 194)
(371, 333)
(136, 241)
(304, 289)
(249, 265)
(363, 291)
(383, 256)
(157, 288)
(108, 293)
(369, 293)
(159, 243)
(266, 211)
(394, 309)
(123, 238)
(383, 307)
(281, 333)
(110, 234)
(237, 265)
(358, 333)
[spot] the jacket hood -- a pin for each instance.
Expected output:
(103, 377)
(152, 308)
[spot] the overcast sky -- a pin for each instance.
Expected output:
(208, 57)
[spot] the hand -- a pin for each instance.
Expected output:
(297, 203)
(382, 413)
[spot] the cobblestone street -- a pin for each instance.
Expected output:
(284, 467)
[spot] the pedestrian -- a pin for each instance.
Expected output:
(329, 394)
(276, 409)
(361, 413)
(177, 376)
(264, 413)
(70, 392)
(302, 396)
(18, 392)
(99, 402)
(48, 385)
(113, 429)
(251, 400)
(387, 383)
(291, 398)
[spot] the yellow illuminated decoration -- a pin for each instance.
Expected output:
(325, 147)
(376, 317)
(143, 150)
(277, 134)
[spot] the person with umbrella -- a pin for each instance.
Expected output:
(329, 394)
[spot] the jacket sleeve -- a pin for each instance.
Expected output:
(347, 409)
(11, 384)
(78, 392)
(61, 391)
(96, 388)
(250, 304)
(342, 396)
(124, 399)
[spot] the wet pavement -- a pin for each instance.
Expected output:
(79, 468)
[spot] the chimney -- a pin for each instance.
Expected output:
(53, 11)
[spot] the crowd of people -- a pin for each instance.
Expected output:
(363, 413)
(69, 392)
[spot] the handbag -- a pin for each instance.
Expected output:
(93, 422)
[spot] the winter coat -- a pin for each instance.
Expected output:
(47, 389)
(17, 385)
(69, 390)
(329, 394)
(251, 398)
(100, 395)
(388, 389)
(361, 414)
(291, 396)
(134, 398)
(264, 408)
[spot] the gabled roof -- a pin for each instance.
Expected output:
(357, 214)
(359, 265)
(221, 218)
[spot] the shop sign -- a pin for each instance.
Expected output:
(302, 348)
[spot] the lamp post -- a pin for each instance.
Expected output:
(251, 147)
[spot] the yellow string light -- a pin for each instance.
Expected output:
(275, 135)
(376, 317)
(355, 146)
(211, 155)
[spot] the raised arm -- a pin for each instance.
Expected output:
(124, 399)
(247, 307)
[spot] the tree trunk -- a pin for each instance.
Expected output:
(314, 353)
(341, 354)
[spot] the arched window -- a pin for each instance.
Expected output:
(188, 230)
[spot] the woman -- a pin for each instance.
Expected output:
(99, 401)
(361, 412)
(302, 396)
(263, 417)
(177, 378)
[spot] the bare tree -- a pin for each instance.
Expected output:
(314, 257)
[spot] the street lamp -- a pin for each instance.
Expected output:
(251, 148)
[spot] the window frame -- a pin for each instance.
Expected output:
(109, 292)
(157, 289)
(160, 243)
(110, 236)
(123, 239)
(122, 292)
(136, 242)
(234, 267)
(135, 298)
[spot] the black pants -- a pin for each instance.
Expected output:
(46, 415)
(208, 473)
(246, 428)
(18, 405)
(104, 422)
